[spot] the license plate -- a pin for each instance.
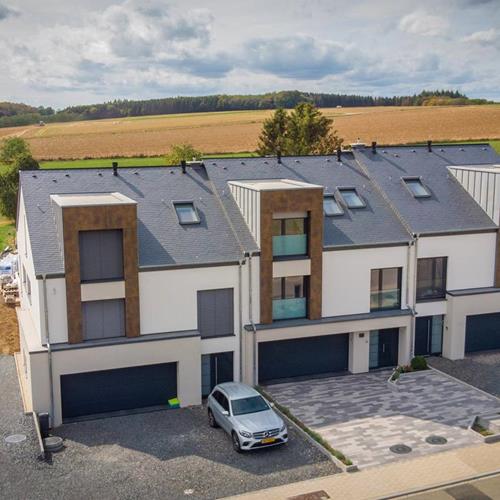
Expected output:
(268, 440)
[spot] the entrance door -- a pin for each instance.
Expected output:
(216, 368)
(428, 335)
(384, 347)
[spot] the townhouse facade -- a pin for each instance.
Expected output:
(144, 284)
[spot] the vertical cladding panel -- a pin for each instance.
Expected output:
(77, 219)
(497, 261)
(300, 200)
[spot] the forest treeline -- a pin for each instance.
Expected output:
(14, 114)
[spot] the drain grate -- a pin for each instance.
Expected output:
(400, 449)
(15, 438)
(436, 440)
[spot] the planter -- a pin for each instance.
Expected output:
(487, 427)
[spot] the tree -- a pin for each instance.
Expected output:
(272, 137)
(12, 147)
(305, 131)
(181, 152)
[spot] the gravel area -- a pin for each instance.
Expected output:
(163, 454)
(481, 370)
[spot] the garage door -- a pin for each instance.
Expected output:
(120, 389)
(482, 332)
(303, 357)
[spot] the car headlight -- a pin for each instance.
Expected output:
(283, 429)
(246, 434)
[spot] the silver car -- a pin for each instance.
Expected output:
(246, 416)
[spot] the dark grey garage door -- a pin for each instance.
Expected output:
(303, 357)
(120, 389)
(482, 332)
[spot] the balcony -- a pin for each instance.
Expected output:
(385, 299)
(289, 308)
(290, 245)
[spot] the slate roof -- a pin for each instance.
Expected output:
(162, 240)
(223, 236)
(374, 225)
(449, 208)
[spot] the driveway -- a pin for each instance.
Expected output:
(481, 369)
(362, 416)
(163, 454)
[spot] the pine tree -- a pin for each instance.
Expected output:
(272, 137)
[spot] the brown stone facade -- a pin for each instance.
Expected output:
(298, 200)
(76, 219)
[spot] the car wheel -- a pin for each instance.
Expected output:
(211, 420)
(236, 442)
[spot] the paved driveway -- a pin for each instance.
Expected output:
(481, 369)
(164, 454)
(362, 416)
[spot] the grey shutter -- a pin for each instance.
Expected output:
(103, 319)
(215, 312)
(101, 255)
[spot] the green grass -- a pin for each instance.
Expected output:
(7, 233)
(151, 161)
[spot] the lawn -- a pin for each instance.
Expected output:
(7, 233)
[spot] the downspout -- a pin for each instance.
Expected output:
(250, 317)
(240, 318)
(415, 238)
(49, 348)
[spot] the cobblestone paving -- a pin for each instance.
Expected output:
(362, 416)
(480, 369)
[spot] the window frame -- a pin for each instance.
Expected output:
(332, 196)
(406, 181)
(283, 226)
(441, 296)
(283, 287)
(342, 189)
(195, 211)
(380, 282)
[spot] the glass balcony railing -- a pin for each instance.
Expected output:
(293, 244)
(289, 308)
(385, 299)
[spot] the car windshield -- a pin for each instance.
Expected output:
(249, 405)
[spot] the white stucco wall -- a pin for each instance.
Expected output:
(471, 258)
(347, 275)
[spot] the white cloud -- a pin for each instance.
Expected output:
(422, 23)
(484, 38)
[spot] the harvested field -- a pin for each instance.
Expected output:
(9, 332)
(238, 131)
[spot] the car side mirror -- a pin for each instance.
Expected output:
(225, 413)
(271, 404)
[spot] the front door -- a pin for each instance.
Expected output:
(216, 368)
(384, 347)
(428, 335)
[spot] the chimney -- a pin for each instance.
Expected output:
(429, 146)
(339, 153)
(374, 147)
(115, 167)
(278, 155)
(183, 165)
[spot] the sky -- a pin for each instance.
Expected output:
(65, 52)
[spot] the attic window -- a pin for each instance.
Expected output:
(351, 198)
(331, 207)
(416, 188)
(186, 213)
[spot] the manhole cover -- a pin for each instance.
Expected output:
(436, 440)
(15, 438)
(400, 449)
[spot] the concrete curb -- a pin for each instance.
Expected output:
(39, 436)
(20, 380)
(494, 438)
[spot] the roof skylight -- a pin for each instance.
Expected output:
(331, 207)
(352, 198)
(416, 188)
(186, 213)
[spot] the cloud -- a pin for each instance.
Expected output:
(300, 57)
(484, 38)
(6, 12)
(421, 23)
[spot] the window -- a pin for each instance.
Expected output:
(221, 399)
(216, 312)
(253, 404)
(186, 213)
(431, 278)
(101, 255)
(103, 319)
(289, 297)
(385, 290)
(289, 237)
(331, 207)
(352, 198)
(416, 188)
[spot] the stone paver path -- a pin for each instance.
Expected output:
(362, 416)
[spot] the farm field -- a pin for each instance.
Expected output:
(227, 132)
